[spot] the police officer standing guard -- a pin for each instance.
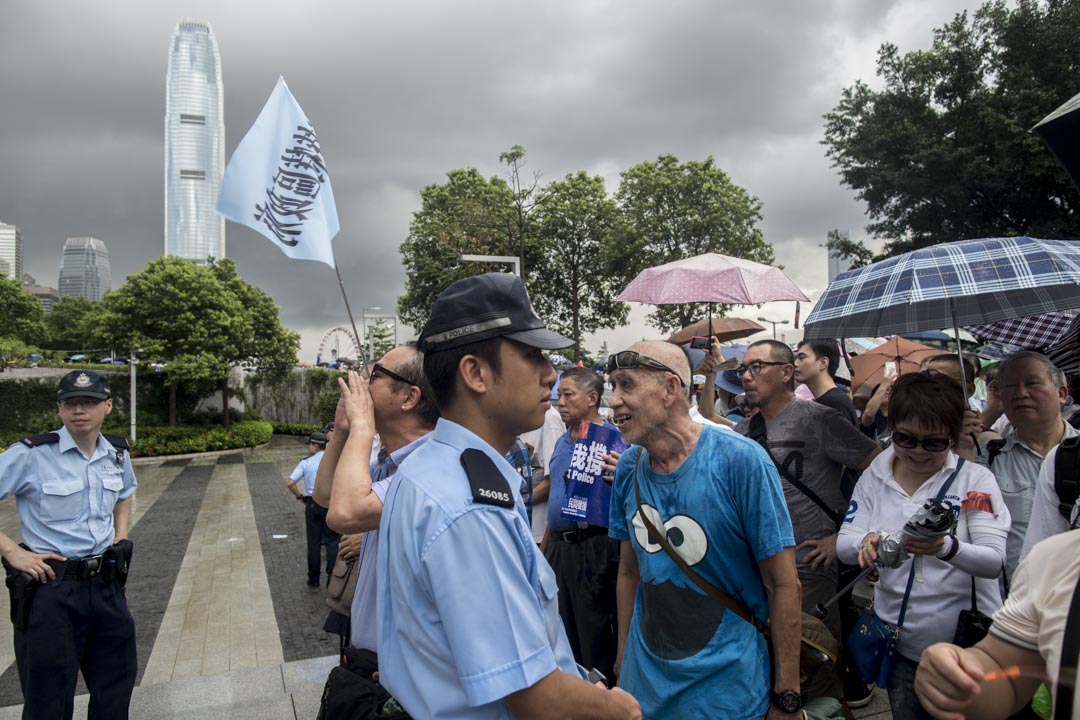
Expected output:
(73, 491)
(467, 607)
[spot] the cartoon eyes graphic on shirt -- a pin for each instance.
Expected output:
(683, 533)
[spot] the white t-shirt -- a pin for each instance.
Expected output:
(700, 419)
(1046, 521)
(1035, 612)
(941, 589)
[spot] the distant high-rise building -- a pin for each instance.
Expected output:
(85, 270)
(47, 296)
(28, 279)
(11, 252)
(194, 145)
(838, 264)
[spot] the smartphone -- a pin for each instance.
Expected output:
(596, 676)
(890, 369)
(699, 343)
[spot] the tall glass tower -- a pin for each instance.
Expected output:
(11, 251)
(85, 270)
(194, 144)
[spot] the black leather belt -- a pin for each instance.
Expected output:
(80, 568)
(578, 534)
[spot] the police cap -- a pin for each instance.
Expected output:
(483, 307)
(83, 383)
(318, 438)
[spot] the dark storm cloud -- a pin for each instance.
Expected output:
(402, 92)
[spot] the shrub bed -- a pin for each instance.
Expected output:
(296, 428)
(156, 441)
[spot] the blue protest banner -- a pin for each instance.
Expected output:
(588, 495)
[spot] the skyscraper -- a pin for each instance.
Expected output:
(11, 252)
(194, 144)
(85, 270)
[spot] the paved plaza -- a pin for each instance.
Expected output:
(226, 624)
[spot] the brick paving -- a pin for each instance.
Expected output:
(299, 609)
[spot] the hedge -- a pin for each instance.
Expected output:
(155, 441)
(296, 428)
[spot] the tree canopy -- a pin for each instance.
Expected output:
(942, 152)
(21, 316)
(74, 325)
(670, 211)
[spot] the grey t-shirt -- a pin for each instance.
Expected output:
(813, 443)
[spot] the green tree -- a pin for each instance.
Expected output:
(268, 346)
(183, 313)
(380, 339)
(575, 293)
(74, 325)
(21, 316)
(670, 211)
(12, 350)
(942, 152)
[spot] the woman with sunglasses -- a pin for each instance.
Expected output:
(926, 411)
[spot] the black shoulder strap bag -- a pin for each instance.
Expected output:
(812, 657)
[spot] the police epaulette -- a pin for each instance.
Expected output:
(488, 484)
(118, 441)
(44, 439)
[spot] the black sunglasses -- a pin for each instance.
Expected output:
(628, 360)
(934, 443)
(377, 368)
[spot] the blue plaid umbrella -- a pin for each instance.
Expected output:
(970, 282)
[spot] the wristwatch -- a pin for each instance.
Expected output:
(789, 701)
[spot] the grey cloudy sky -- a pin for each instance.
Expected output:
(401, 92)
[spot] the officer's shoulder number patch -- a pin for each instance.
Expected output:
(489, 487)
(43, 439)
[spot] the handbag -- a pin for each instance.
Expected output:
(872, 642)
(971, 625)
(813, 657)
(341, 586)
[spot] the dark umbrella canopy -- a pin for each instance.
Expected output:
(1060, 130)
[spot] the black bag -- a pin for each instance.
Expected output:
(972, 625)
(353, 692)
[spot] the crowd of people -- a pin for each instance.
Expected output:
(716, 583)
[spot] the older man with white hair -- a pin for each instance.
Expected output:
(719, 501)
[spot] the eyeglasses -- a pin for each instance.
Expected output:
(934, 443)
(756, 367)
(628, 360)
(80, 401)
(377, 368)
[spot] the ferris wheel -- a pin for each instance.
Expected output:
(339, 342)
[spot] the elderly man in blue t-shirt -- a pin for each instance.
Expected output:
(719, 502)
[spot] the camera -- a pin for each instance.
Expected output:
(700, 343)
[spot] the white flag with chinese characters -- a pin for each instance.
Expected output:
(276, 182)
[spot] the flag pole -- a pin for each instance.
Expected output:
(360, 340)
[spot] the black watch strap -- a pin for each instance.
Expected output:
(789, 701)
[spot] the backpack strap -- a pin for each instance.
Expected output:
(993, 449)
(1067, 475)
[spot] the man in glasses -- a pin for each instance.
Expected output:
(810, 444)
(74, 489)
(717, 500)
(397, 403)
(467, 608)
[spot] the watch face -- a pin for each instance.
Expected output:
(789, 701)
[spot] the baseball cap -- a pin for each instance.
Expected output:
(483, 307)
(83, 383)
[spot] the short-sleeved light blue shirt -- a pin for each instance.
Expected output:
(64, 500)
(307, 469)
(467, 606)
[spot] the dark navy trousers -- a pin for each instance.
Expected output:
(77, 625)
(319, 534)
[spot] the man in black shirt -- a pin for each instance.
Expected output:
(816, 363)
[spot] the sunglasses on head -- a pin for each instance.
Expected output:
(377, 368)
(934, 443)
(628, 360)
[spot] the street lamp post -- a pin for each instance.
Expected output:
(774, 323)
(501, 259)
(133, 360)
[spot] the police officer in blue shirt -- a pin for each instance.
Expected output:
(73, 491)
(318, 532)
(467, 606)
